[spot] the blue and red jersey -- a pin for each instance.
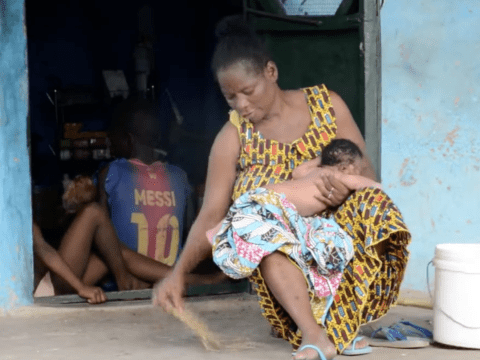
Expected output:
(147, 206)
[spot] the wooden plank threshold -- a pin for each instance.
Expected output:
(213, 290)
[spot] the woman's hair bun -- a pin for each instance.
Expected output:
(236, 41)
(233, 26)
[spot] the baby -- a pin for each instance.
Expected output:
(342, 159)
(341, 154)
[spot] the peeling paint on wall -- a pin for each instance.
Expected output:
(452, 135)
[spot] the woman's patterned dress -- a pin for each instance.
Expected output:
(370, 284)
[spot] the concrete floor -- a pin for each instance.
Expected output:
(136, 330)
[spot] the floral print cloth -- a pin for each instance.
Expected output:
(261, 222)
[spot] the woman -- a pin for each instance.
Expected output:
(270, 132)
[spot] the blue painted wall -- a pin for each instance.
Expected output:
(430, 136)
(16, 270)
(430, 127)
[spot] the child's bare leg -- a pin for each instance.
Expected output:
(144, 267)
(39, 271)
(96, 270)
(152, 271)
(287, 284)
(93, 226)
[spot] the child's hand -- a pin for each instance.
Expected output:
(93, 294)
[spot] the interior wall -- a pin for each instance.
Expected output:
(430, 128)
(71, 42)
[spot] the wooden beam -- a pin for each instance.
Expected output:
(371, 50)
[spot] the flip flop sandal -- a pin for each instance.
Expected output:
(393, 337)
(353, 351)
(410, 329)
(320, 353)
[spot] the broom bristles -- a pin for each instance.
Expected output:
(209, 340)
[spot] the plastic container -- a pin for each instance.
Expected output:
(456, 312)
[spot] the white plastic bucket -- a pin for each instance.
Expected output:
(456, 312)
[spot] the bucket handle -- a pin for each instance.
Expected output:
(456, 321)
(441, 310)
(428, 280)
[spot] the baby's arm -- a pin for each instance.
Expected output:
(53, 261)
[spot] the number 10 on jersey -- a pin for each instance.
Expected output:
(166, 247)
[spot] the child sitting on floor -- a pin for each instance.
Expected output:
(90, 249)
(75, 266)
(47, 258)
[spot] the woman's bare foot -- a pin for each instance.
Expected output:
(360, 344)
(320, 340)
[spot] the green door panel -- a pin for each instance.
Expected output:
(315, 57)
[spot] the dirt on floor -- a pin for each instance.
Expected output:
(137, 330)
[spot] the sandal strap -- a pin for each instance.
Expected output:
(308, 346)
(354, 342)
(401, 330)
(389, 333)
(410, 329)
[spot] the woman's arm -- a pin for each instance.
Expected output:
(356, 182)
(53, 261)
(332, 191)
(302, 193)
(348, 129)
(221, 175)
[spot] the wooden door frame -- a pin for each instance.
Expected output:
(371, 49)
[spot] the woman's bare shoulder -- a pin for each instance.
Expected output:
(295, 95)
(342, 112)
(336, 99)
(227, 139)
(225, 149)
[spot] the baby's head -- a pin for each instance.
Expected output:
(79, 192)
(341, 154)
(344, 155)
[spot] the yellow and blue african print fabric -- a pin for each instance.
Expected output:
(261, 222)
(371, 281)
